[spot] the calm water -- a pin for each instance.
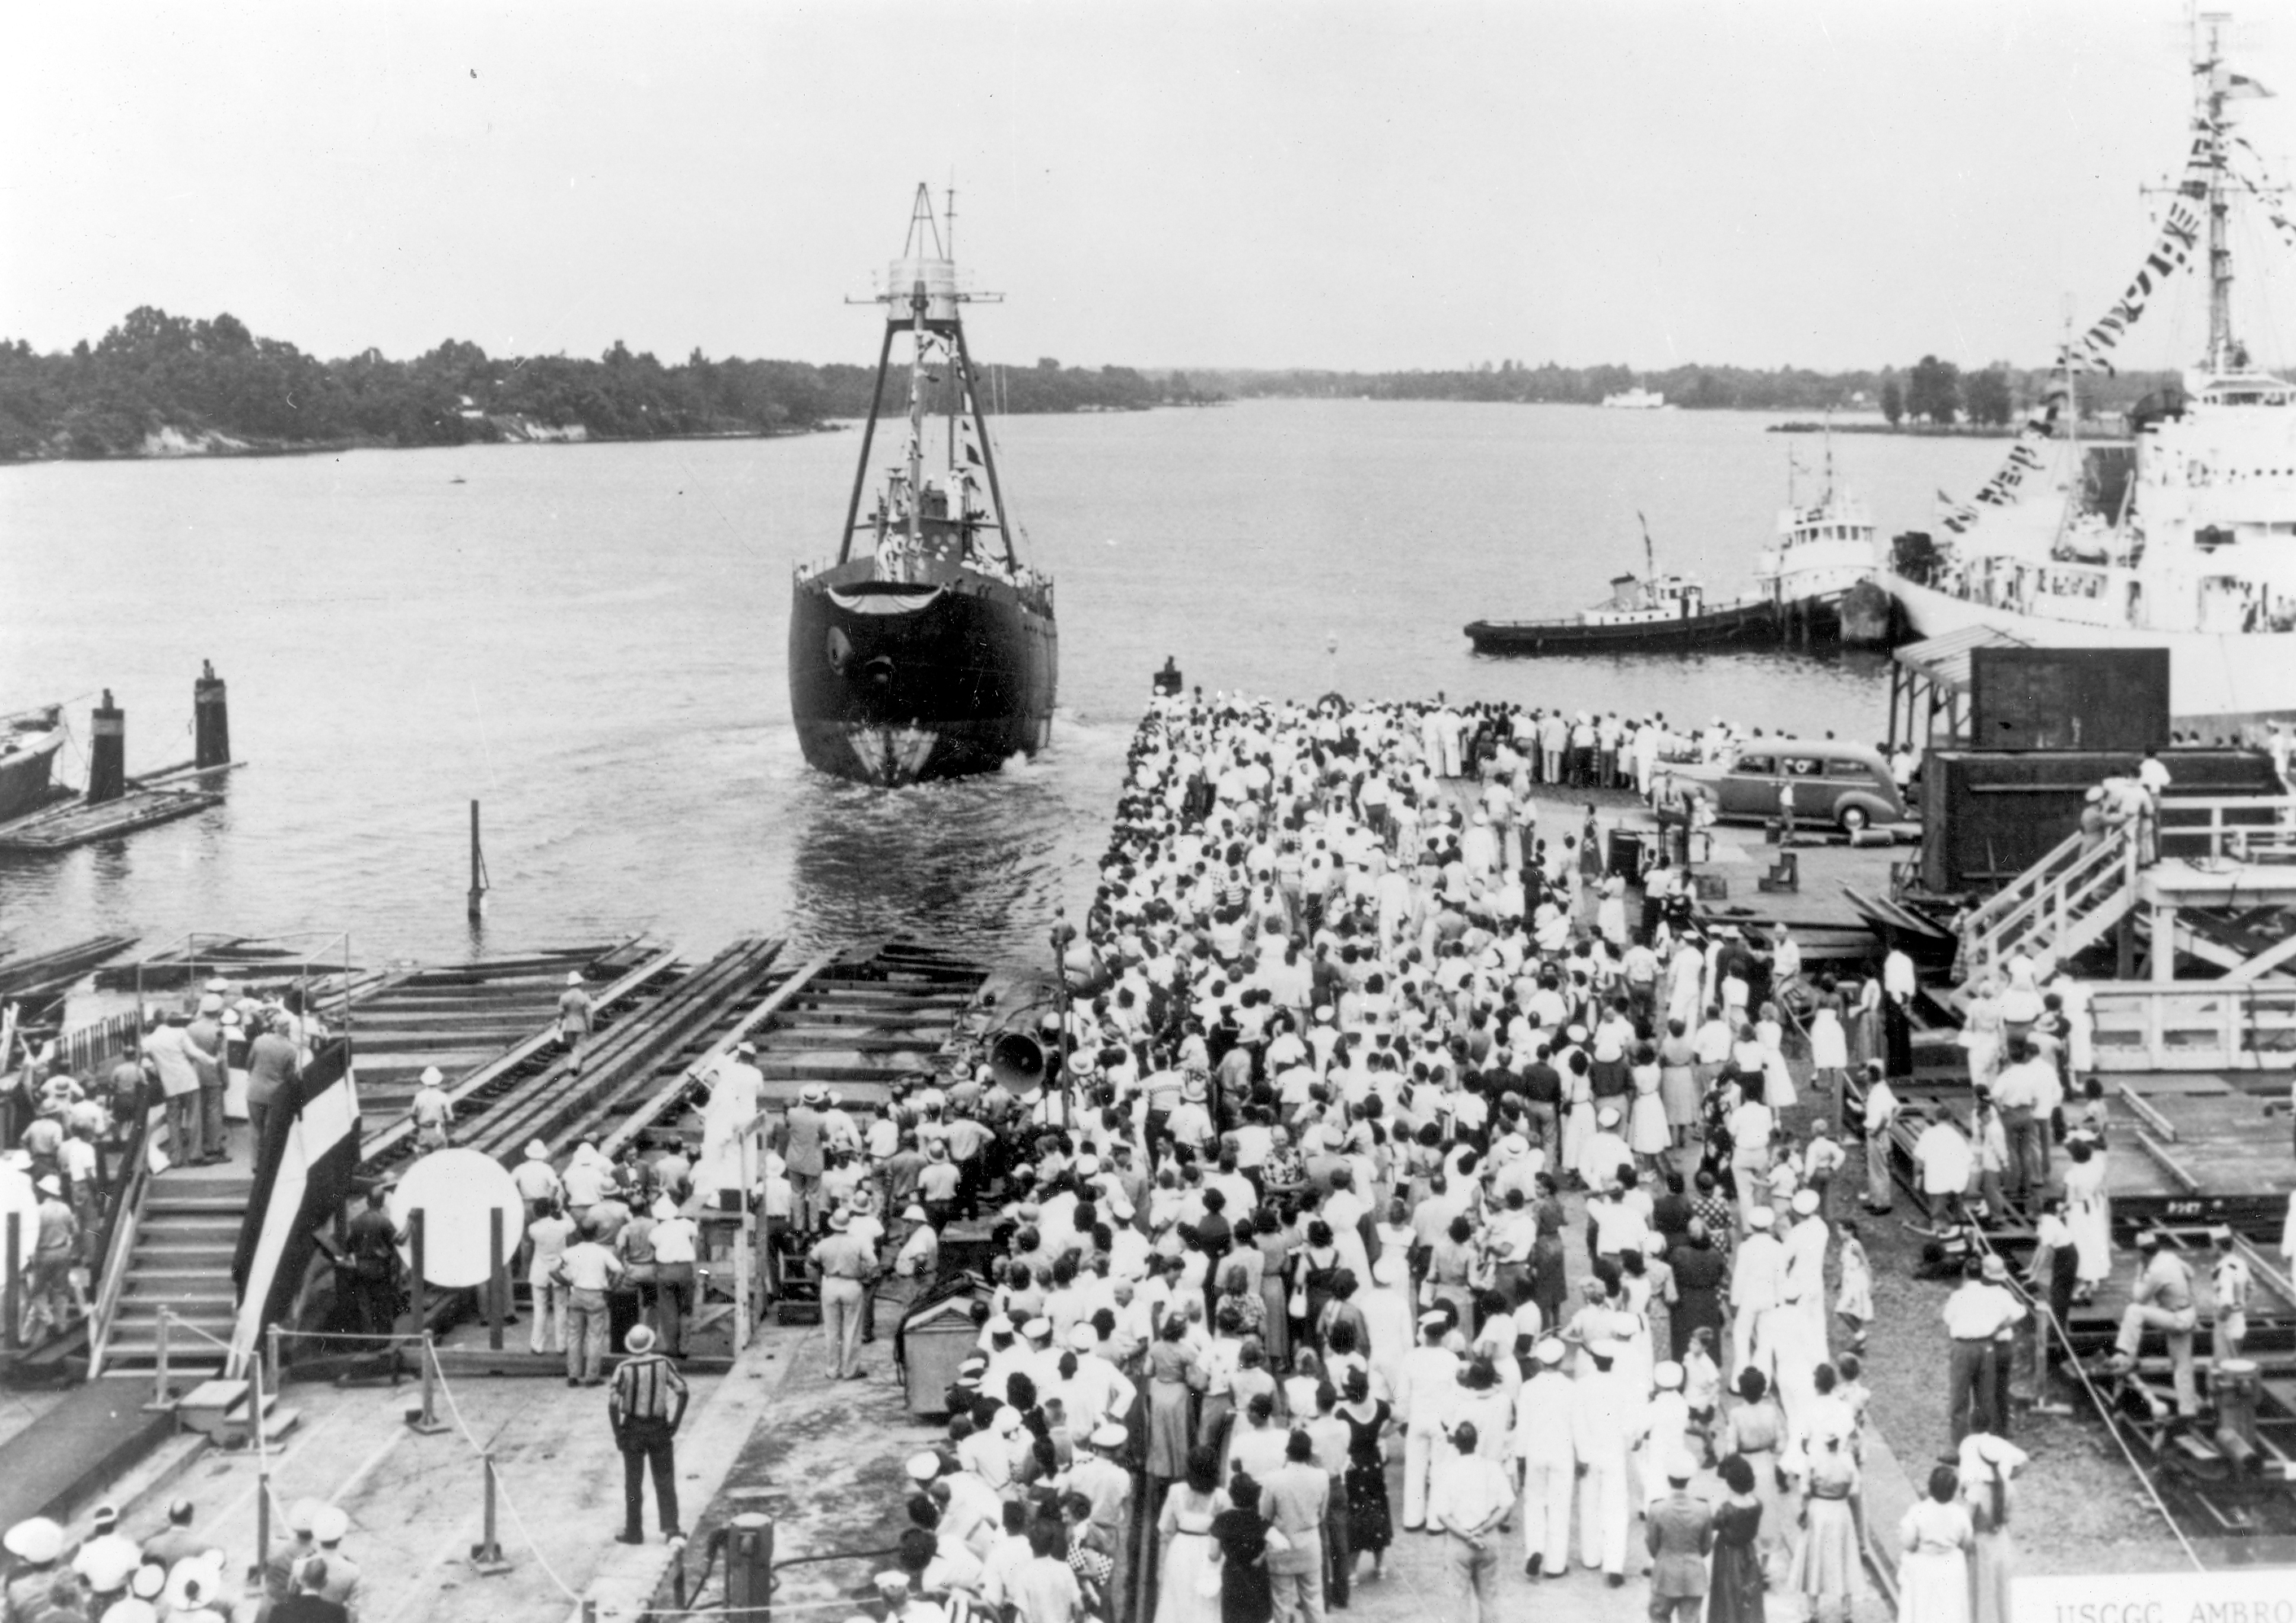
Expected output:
(590, 641)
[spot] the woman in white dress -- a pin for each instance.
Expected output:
(1777, 1078)
(1936, 1538)
(1183, 1536)
(2088, 1213)
(1829, 1045)
(1648, 1136)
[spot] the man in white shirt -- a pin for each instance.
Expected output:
(1757, 1286)
(1880, 1114)
(1946, 1161)
(1601, 1414)
(1542, 1441)
(1470, 1497)
(676, 1247)
(1425, 1387)
(1007, 1555)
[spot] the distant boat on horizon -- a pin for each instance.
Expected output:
(1637, 399)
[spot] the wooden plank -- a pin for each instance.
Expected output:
(2167, 1162)
(2153, 1119)
(653, 1109)
(374, 1148)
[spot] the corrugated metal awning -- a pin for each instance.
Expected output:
(1943, 661)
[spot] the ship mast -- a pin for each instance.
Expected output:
(2208, 69)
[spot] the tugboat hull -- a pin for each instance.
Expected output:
(893, 684)
(1751, 625)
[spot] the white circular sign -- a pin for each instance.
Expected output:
(455, 1190)
(18, 1196)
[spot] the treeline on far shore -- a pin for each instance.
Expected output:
(160, 383)
(1927, 389)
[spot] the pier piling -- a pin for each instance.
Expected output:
(211, 720)
(107, 753)
(478, 892)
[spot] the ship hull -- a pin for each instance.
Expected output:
(893, 685)
(25, 776)
(1750, 625)
(2219, 684)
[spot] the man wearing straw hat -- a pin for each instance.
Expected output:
(803, 1138)
(575, 1013)
(645, 1402)
(847, 1264)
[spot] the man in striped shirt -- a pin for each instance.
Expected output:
(646, 1402)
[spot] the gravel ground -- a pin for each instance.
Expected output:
(2079, 1506)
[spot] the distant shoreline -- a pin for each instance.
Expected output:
(178, 447)
(1926, 430)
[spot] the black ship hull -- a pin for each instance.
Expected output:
(894, 682)
(1751, 625)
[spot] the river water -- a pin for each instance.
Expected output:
(590, 640)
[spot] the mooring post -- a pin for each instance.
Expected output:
(257, 1421)
(271, 1338)
(210, 720)
(498, 1291)
(414, 1285)
(486, 1555)
(107, 752)
(425, 1419)
(478, 896)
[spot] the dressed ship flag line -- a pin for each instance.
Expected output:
(2182, 540)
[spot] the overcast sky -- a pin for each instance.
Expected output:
(1375, 186)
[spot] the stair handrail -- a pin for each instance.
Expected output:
(122, 1224)
(2049, 882)
(2013, 894)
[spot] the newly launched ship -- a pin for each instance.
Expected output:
(2184, 538)
(926, 648)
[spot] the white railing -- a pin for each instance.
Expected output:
(2193, 1025)
(111, 1284)
(2058, 906)
(2240, 828)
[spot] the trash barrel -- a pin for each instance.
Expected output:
(1625, 859)
(935, 1340)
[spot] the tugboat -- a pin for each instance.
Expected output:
(1826, 552)
(926, 648)
(1645, 614)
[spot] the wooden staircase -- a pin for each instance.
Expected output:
(180, 1259)
(2061, 906)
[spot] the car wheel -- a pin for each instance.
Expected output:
(1853, 818)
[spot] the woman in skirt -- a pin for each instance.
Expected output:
(1678, 1081)
(1828, 1566)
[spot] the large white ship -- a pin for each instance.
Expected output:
(2183, 538)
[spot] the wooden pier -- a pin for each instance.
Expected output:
(76, 823)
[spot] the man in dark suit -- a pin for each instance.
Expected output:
(1293, 1498)
(1680, 1532)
